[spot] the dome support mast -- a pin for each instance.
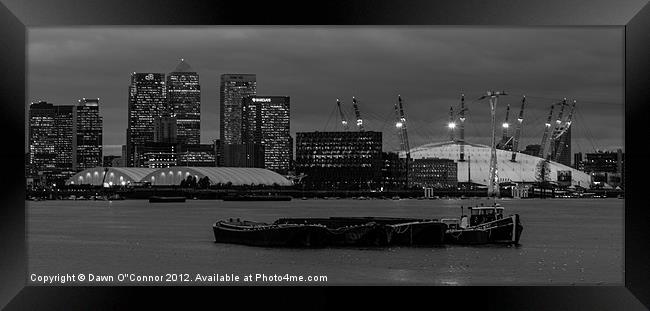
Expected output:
(493, 183)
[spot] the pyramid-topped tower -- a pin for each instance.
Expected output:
(183, 66)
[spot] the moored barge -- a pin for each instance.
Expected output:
(334, 231)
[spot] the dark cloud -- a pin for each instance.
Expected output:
(428, 66)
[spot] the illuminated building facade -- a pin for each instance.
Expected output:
(158, 154)
(63, 130)
(147, 100)
(199, 155)
(233, 88)
(393, 171)
(339, 160)
(41, 137)
(51, 141)
(266, 122)
(184, 99)
(434, 173)
(87, 136)
(606, 168)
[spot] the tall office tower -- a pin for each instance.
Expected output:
(233, 88)
(63, 131)
(565, 156)
(41, 137)
(87, 135)
(184, 99)
(266, 122)
(165, 129)
(50, 141)
(147, 100)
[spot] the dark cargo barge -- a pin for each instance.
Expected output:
(335, 231)
(485, 225)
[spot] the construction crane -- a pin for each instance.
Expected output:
(547, 129)
(520, 121)
(505, 140)
(555, 133)
(344, 120)
(561, 136)
(493, 185)
(400, 124)
(402, 118)
(357, 114)
(451, 124)
(461, 131)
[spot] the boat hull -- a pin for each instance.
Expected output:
(270, 235)
(381, 231)
(417, 233)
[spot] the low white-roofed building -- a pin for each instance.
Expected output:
(116, 176)
(237, 176)
(172, 176)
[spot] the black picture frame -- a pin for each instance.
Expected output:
(17, 15)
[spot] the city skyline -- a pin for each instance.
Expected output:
(437, 64)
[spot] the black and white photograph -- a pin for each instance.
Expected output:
(325, 155)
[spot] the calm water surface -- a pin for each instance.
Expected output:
(564, 242)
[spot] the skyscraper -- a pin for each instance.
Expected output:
(50, 141)
(565, 156)
(266, 122)
(87, 135)
(41, 137)
(147, 100)
(63, 132)
(233, 88)
(184, 98)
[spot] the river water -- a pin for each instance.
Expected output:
(564, 242)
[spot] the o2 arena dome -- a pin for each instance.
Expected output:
(477, 164)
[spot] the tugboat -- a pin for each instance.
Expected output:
(486, 225)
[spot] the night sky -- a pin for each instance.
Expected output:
(428, 66)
